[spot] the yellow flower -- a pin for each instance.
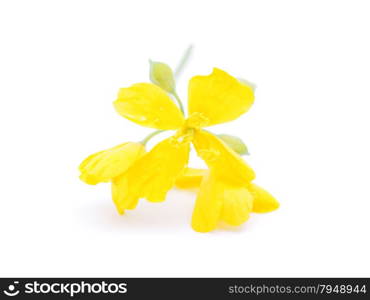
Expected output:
(108, 164)
(149, 106)
(225, 190)
(152, 176)
(213, 99)
(105, 165)
(219, 201)
(191, 178)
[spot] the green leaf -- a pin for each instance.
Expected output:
(234, 143)
(162, 75)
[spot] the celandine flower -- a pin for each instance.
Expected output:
(227, 202)
(108, 164)
(226, 192)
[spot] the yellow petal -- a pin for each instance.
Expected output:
(237, 205)
(153, 175)
(119, 193)
(105, 165)
(219, 97)
(208, 205)
(263, 201)
(191, 178)
(220, 201)
(148, 105)
(227, 164)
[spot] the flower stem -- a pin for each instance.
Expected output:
(149, 136)
(183, 60)
(174, 93)
(177, 72)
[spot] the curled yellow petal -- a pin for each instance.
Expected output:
(237, 206)
(219, 97)
(120, 193)
(148, 105)
(105, 165)
(153, 175)
(208, 205)
(263, 201)
(191, 178)
(225, 163)
(220, 201)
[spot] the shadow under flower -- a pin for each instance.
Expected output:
(173, 214)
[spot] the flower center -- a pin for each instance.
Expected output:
(196, 121)
(191, 125)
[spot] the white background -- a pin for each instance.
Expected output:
(61, 64)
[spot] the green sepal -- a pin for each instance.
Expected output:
(234, 143)
(162, 75)
(248, 83)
